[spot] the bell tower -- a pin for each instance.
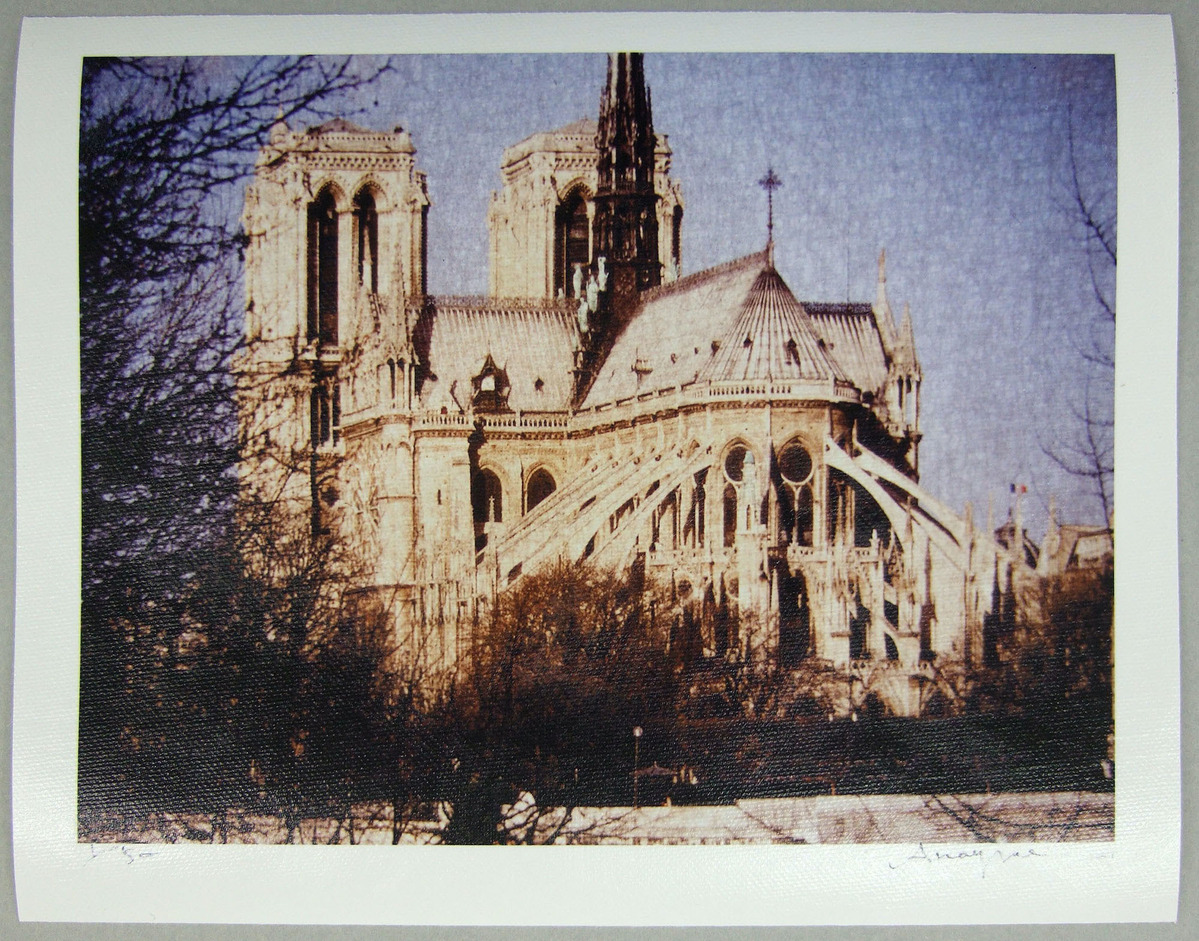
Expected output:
(625, 230)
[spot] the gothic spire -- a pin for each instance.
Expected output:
(626, 218)
(625, 228)
(625, 132)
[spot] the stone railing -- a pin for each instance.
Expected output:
(704, 392)
(796, 553)
(527, 420)
(439, 420)
(519, 421)
(649, 403)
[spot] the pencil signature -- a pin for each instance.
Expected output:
(985, 856)
(120, 852)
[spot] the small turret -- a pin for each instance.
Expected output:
(882, 307)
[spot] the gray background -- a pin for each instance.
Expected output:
(1186, 29)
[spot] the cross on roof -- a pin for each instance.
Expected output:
(770, 183)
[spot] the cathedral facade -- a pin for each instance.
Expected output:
(757, 453)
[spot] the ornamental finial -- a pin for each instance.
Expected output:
(770, 183)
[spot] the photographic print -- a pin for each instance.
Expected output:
(599, 449)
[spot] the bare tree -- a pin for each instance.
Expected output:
(164, 147)
(1087, 451)
(566, 664)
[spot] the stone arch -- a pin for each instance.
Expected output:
(729, 504)
(365, 242)
(372, 184)
(853, 512)
(397, 468)
(324, 237)
(487, 502)
(539, 484)
(572, 235)
(733, 458)
(793, 477)
(503, 480)
(734, 471)
(333, 186)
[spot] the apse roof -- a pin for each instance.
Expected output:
(676, 331)
(772, 338)
(736, 321)
(850, 333)
(533, 342)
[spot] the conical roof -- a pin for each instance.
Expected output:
(696, 329)
(772, 338)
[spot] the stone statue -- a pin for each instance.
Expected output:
(592, 295)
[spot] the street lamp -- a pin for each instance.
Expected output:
(636, 761)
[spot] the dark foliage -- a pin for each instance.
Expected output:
(164, 144)
(1059, 651)
(569, 663)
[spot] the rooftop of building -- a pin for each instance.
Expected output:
(737, 321)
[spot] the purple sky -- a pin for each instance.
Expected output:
(958, 165)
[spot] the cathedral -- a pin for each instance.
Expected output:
(757, 454)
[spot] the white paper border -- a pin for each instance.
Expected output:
(1134, 878)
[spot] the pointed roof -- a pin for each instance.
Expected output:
(624, 133)
(904, 357)
(676, 331)
(772, 338)
(736, 321)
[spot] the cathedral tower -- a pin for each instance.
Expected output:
(543, 222)
(335, 224)
(626, 220)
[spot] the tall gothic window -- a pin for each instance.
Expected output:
(730, 516)
(322, 269)
(572, 243)
(676, 239)
(366, 224)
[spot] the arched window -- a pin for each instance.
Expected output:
(322, 269)
(734, 474)
(541, 484)
(795, 469)
(572, 242)
(325, 415)
(676, 239)
(366, 225)
(487, 497)
(734, 463)
(730, 515)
